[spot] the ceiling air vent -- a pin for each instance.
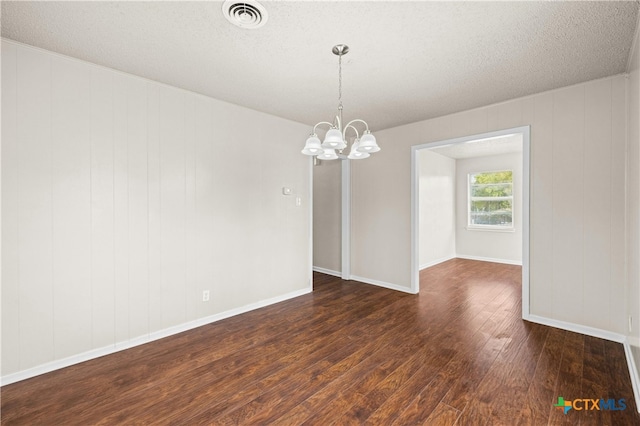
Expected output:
(245, 14)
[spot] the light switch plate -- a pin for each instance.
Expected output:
(286, 191)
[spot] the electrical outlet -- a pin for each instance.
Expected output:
(298, 201)
(205, 296)
(630, 323)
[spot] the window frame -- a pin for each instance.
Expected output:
(493, 228)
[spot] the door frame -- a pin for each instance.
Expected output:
(525, 131)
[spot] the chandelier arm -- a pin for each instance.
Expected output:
(322, 122)
(357, 120)
(337, 121)
(344, 133)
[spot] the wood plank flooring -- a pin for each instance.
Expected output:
(349, 353)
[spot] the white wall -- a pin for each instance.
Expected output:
(437, 203)
(123, 199)
(327, 213)
(633, 203)
(498, 246)
(577, 148)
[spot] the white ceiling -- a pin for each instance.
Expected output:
(409, 61)
(506, 144)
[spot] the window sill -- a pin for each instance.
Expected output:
(482, 229)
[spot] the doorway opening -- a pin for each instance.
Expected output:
(475, 215)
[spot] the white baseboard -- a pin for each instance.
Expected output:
(365, 280)
(382, 284)
(436, 262)
(327, 271)
(577, 328)
(120, 346)
(633, 373)
(490, 259)
(602, 334)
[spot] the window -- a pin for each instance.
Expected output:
(491, 200)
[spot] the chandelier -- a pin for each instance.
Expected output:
(336, 137)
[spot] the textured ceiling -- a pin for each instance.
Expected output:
(409, 61)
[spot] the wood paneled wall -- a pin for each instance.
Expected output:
(123, 199)
(577, 198)
(327, 216)
(633, 203)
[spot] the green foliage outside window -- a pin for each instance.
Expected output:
(491, 199)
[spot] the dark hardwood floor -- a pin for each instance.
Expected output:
(349, 353)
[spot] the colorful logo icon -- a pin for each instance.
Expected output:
(563, 405)
(590, 404)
